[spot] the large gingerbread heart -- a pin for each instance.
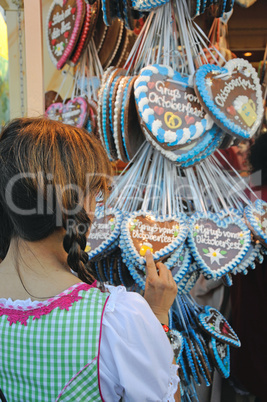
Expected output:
(215, 324)
(256, 219)
(74, 112)
(104, 232)
(162, 235)
(232, 96)
(168, 108)
(64, 23)
(218, 245)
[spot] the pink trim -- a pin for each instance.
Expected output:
(98, 356)
(63, 301)
(74, 35)
(61, 109)
(83, 36)
(73, 378)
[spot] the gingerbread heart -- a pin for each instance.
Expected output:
(188, 281)
(232, 96)
(213, 322)
(182, 119)
(212, 147)
(104, 233)
(256, 219)
(180, 269)
(220, 353)
(63, 26)
(218, 245)
(162, 235)
(91, 14)
(137, 270)
(74, 112)
(253, 254)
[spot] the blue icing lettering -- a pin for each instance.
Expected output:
(192, 130)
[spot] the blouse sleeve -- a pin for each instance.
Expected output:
(135, 360)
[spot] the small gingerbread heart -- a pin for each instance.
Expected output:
(74, 112)
(232, 96)
(162, 235)
(213, 322)
(218, 245)
(104, 233)
(220, 353)
(256, 219)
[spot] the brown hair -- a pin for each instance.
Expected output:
(63, 164)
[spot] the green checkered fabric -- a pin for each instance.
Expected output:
(54, 357)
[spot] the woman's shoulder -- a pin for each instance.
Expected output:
(120, 296)
(128, 312)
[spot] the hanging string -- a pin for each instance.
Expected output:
(236, 173)
(193, 185)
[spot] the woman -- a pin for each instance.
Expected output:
(62, 338)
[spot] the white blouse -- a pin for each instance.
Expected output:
(135, 361)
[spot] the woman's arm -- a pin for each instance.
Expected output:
(160, 292)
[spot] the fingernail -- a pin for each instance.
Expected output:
(148, 252)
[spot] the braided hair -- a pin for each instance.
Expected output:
(50, 173)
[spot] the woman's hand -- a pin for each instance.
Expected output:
(160, 289)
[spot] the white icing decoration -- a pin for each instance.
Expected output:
(142, 78)
(247, 72)
(199, 128)
(117, 118)
(169, 136)
(214, 255)
(139, 90)
(151, 68)
(208, 82)
(239, 101)
(210, 122)
(155, 126)
(142, 103)
(146, 114)
(170, 72)
(187, 134)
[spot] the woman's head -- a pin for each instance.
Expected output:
(47, 171)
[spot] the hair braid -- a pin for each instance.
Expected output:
(74, 244)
